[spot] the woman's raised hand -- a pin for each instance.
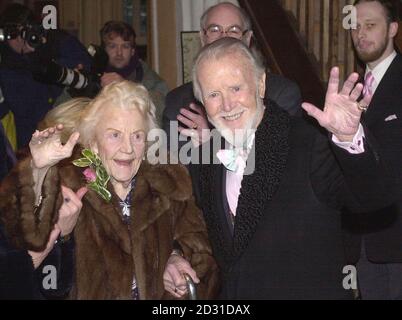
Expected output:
(47, 148)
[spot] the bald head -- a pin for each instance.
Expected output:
(227, 17)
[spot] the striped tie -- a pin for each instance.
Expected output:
(368, 84)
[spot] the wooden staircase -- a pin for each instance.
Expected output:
(320, 24)
(283, 47)
(303, 39)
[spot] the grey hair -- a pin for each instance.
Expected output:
(126, 95)
(244, 16)
(222, 48)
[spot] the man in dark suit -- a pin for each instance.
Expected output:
(374, 241)
(223, 20)
(276, 230)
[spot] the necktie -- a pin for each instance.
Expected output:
(368, 84)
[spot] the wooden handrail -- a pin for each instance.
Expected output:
(320, 22)
(283, 48)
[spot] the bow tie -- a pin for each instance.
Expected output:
(233, 159)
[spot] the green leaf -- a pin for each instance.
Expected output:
(103, 192)
(102, 175)
(89, 155)
(92, 160)
(82, 163)
(98, 161)
(92, 156)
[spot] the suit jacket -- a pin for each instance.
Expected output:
(382, 231)
(279, 89)
(107, 252)
(287, 239)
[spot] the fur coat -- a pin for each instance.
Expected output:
(108, 253)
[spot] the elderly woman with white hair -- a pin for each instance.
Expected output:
(124, 229)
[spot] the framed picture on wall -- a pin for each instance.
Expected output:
(190, 46)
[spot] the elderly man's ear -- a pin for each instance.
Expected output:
(261, 86)
(202, 38)
(247, 38)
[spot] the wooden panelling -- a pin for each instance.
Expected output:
(166, 11)
(282, 45)
(320, 24)
(302, 17)
(85, 18)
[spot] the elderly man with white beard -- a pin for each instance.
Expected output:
(275, 230)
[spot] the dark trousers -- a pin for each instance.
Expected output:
(379, 281)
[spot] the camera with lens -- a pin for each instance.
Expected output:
(47, 70)
(79, 82)
(33, 34)
(19, 22)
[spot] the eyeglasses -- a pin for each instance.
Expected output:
(215, 32)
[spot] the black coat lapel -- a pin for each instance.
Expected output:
(271, 151)
(383, 101)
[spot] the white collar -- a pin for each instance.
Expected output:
(380, 70)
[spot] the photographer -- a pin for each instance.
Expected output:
(116, 60)
(25, 50)
(118, 40)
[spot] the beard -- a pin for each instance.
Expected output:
(371, 56)
(239, 138)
